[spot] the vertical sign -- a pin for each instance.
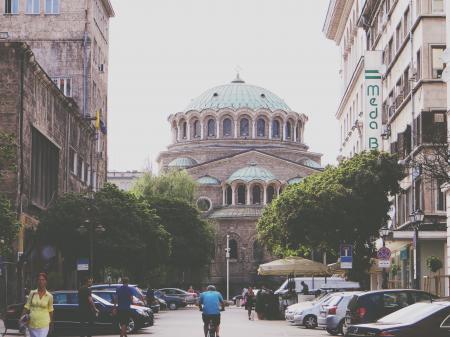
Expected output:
(373, 99)
(346, 256)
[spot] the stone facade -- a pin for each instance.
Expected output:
(124, 180)
(243, 145)
(56, 147)
(71, 43)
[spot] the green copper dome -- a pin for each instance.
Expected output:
(182, 162)
(237, 95)
(250, 173)
(208, 180)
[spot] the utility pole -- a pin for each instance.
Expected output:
(228, 266)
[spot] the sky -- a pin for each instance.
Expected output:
(164, 53)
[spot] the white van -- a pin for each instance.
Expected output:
(334, 283)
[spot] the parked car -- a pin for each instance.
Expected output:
(332, 316)
(110, 295)
(305, 313)
(173, 302)
(416, 320)
(317, 283)
(191, 298)
(370, 306)
(138, 295)
(66, 314)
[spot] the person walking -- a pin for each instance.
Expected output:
(260, 303)
(150, 296)
(86, 307)
(249, 300)
(39, 309)
(122, 305)
(305, 288)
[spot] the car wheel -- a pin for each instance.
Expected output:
(332, 332)
(310, 322)
(131, 327)
(340, 328)
(173, 306)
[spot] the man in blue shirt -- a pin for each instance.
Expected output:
(123, 303)
(211, 303)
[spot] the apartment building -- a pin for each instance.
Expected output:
(403, 41)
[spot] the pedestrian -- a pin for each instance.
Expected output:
(191, 290)
(39, 309)
(86, 307)
(122, 304)
(150, 296)
(305, 288)
(259, 303)
(249, 300)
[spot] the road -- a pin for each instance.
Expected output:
(187, 323)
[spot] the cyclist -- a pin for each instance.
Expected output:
(211, 303)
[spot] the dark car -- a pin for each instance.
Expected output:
(370, 306)
(416, 320)
(173, 301)
(66, 314)
(191, 298)
(138, 294)
(109, 295)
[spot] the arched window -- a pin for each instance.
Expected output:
(270, 194)
(197, 129)
(233, 249)
(244, 127)
(288, 130)
(241, 195)
(227, 127)
(258, 251)
(256, 193)
(184, 130)
(261, 127)
(229, 195)
(276, 129)
(211, 128)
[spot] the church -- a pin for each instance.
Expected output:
(243, 145)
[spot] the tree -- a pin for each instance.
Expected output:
(344, 204)
(173, 185)
(133, 241)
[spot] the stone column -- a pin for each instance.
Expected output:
(217, 129)
(270, 129)
(224, 194)
(235, 129)
(284, 131)
(233, 194)
(265, 195)
(202, 131)
(188, 131)
(248, 201)
(254, 129)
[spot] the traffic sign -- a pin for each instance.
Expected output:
(346, 256)
(384, 253)
(82, 264)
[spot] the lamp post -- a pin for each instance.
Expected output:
(416, 219)
(227, 255)
(384, 232)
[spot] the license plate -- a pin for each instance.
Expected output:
(323, 314)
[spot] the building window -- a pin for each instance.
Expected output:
(211, 128)
(406, 23)
(32, 7)
(299, 133)
(437, 63)
(256, 193)
(275, 129)
(419, 66)
(229, 195)
(44, 169)
(233, 249)
(258, 251)
(184, 128)
(441, 204)
(196, 129)
(241, 195)
(398, 37)
(227, 127)
(418, 193)
(244, 127)
(203, 204)
(72, 160)
(80, 168)
(51, 6)
(288, 130)
(64, 84)
(261, 127)
(11, 6)
(86, 173)
(270, 194)
(437, 6)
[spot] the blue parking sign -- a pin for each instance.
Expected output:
(346, 251)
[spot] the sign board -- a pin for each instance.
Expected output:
(384, 257)
(346, 256)
(384, 263)
(373, 100)
(82, 264)
(404, 254)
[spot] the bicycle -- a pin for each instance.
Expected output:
(211, 328)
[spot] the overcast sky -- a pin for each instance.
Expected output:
(163, 53)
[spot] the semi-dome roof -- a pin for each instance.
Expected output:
(250, 173)
(295, 180)
(182, 162)
(235, 95)
(208, 180)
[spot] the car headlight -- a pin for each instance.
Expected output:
(141, 312)
(298, 313)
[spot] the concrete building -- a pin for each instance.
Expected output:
(70, 40)
(55, 151)
(391, 53)
(243, 145)
(124, 180)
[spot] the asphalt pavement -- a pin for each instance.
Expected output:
(187, 323)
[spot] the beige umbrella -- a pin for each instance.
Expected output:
(297, 266)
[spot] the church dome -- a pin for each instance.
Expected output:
(250, 173)
(235, 95)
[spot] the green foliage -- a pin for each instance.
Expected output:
(7, 151)
(434, 263)
(348, 203)
(395, 269)
(172, 185)
(9, 226)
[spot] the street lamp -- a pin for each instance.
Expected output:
(416, 219)
(384, 232)
(227, 255)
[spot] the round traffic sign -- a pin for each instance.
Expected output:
(384, 253)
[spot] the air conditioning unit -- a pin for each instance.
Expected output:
(101, 68)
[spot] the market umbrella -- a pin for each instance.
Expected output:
(295, 265)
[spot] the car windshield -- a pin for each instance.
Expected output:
(100, 300)
(411, 314)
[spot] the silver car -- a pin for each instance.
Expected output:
(307, 315)
(332, 315)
